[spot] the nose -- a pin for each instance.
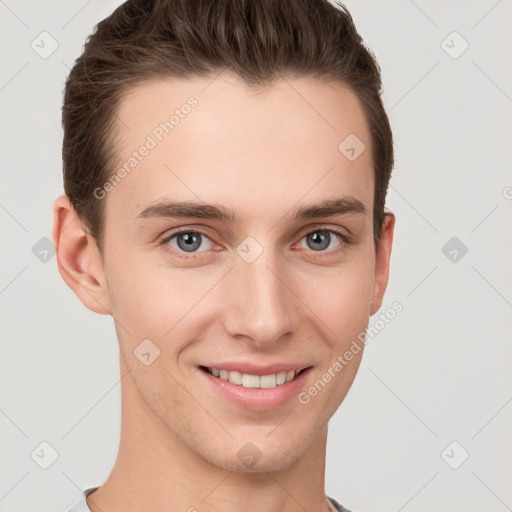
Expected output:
(261, 307)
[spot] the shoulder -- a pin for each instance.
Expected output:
(338, 506)
(81, 504)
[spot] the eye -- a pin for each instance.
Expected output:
(188, 241)
(324, 240)
(329, 241)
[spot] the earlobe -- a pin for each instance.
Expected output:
(382, 262)
(78, 258)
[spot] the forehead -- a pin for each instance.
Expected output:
(215, 140)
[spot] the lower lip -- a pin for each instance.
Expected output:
(258, 399)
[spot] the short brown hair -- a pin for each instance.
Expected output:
(256, 40)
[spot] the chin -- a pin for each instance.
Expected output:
(261, 452)
(271, 463)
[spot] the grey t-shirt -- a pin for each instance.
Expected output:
(81, 504)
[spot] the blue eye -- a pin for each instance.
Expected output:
(321, 239)
(188, 241)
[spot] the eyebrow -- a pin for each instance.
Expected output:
(190, 209)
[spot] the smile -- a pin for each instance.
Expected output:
(254, 381)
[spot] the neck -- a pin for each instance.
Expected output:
(155, 470)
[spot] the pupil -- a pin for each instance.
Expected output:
(320, 237)
(189, 241)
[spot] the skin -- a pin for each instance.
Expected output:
(262, 154)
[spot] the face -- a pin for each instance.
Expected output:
(267, 264)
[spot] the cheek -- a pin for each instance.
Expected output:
(342, 298)
(154, 300)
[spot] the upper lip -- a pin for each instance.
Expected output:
(252, 368)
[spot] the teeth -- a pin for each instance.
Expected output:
(235, 377)
(250, 381)
(268, 381)
(281, 378)
(254, 381)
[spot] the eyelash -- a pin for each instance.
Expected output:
(345, 241)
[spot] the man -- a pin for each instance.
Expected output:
(225, 167)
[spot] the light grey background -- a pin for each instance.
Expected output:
(439, 372)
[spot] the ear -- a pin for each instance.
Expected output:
(78, 258)
(382, 260)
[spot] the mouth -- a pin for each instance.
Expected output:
(246, 380)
